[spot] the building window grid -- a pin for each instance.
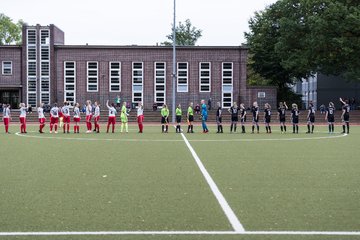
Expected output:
(137, 81)
(92, 77)
(160, 83)
(31, 67)
(227, 84)
(44, 56)
(70, 82)
(182, 77)
(205, 77)
(115, 76)
(6, 68)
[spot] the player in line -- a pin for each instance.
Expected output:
(204, 116)
(88, 112)
(345, 116)
(255, 121)
(76, 118)
(267, 117)
(164, 119)
(329, 116)
(190, 118)
(65, 110)
(6, 117)
(242, 117)
(97, 117)
(124, 118)
(219, 118)
(112, 117)
(295, 117)
(140, 117)
(234, 111)
(41, 116)
(178, 113)
(282, 116)
(54, 117)
(311, 118)
(22, 117)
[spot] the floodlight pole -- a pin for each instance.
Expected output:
(174, 66)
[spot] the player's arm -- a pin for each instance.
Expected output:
(342, 101)
(326, 114)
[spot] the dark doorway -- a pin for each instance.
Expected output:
(10, 97)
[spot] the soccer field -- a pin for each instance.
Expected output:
(180, 186)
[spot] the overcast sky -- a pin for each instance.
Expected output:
(141, 22)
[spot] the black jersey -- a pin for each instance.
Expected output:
(311, 111)
(346, 110)
(234, 111)
(242, 112)
(282, 112)
(219, 112)
(255, 111)
(295, 115)
(267, 113)
(330, 111)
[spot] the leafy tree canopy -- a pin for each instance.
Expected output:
(10, 32)
(186, 35)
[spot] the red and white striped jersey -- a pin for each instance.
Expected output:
(54, 112)
(40, 111)
(23, 111)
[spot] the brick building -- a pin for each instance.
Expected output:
(44, 69)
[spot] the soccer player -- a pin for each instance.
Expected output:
(97, 117)
(329, 116)
(255, 113)
(267, 117)
(282, 116)
(178, 113)
(77, 118)
(295, 117)
(219, 118)
(65, 110)
(61, 118)
(164, 119)
(41, 116)
(204, 116)
(54, 117)
(88, 112)
(124, 118)
(112, 116)
(345, 116)
(190, 118)
(6, 117)
(242, 117)
(234, 111)
(311, 118)
(22, 117)
(140, 117)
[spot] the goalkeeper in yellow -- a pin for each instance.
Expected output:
(124, 118)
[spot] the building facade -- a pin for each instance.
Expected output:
(45, 70)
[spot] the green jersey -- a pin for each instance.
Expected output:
(190, 111)
(123, 115)
(178, 112)
(165, 112)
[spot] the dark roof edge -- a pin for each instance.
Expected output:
(10, 46)
(146, 47)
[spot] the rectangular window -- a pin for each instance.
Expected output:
(45, 71)
(45, 37)
(31, 99)
(31, 37)
(7, 68)
(227, 84)
(205, 77)
(182, 77)
(70, 82)
(115, 77)
(160, 83)
(31, 68)
(92, 76)
(137, 81)
(45, 53)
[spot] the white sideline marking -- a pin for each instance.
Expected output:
(181, 233)
(221, 199)
(175, 140)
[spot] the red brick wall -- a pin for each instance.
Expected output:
(13, 54)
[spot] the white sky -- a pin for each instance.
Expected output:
(141, 22)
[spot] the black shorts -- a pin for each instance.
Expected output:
(346, 117)
(255, 120)
(164, 120)
(282, 119)
(311, 119)
(243, 120)
(178, 119)
(191, 118)
(295, 120)
(218, 119)
(331, 119)
(267, 119)
(234, 118)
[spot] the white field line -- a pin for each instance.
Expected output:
(100, 233)
(176, 140)
(234, 221)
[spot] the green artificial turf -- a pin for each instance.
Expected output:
(150, 182)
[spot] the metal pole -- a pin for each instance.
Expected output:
(174, 66)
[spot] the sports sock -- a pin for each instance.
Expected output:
(113, 128)
(312, 128)
(308, 127)
(269, 129)
(231, 127)
(221, 129)
(166, 128)
(281, 128)
(293, 128)
(285, 128)
(332, 127)
(329, 127)
(126, 127)
(257, 128)
(162, 128)
(243, 129)
(235, 126)
(56, 128)
(348, 127)
(122, 127)
(253, 128)
(297, 129)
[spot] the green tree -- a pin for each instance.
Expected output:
(292, 39)
(186, 35)
(10, 32)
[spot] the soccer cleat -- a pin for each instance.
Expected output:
(50, 131)
(56, 132)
